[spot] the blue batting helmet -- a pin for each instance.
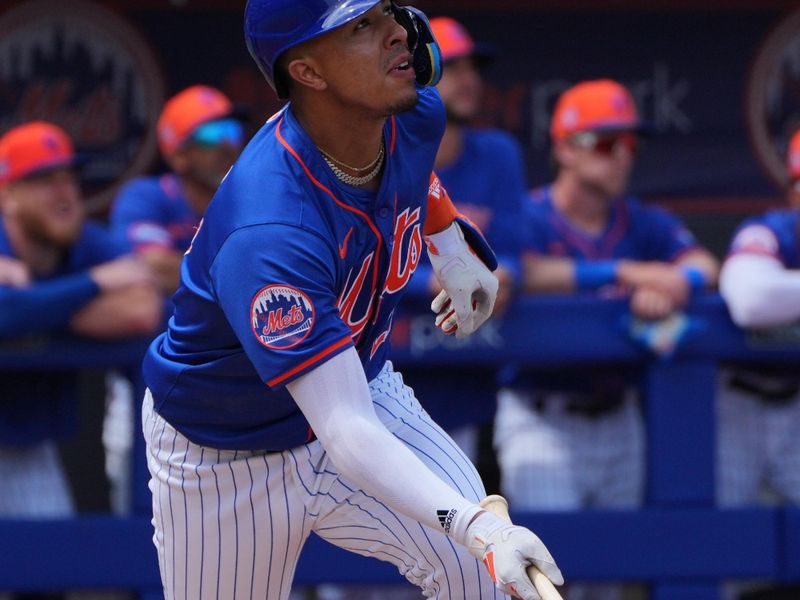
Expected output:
(273, 26)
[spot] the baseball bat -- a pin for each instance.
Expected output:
(498, 505)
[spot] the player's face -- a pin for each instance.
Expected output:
(210, 152)
(603, 162)
(461, 89)
(48, 207)
(366, 64)
(208, 165)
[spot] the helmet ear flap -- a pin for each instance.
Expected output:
(421, 43)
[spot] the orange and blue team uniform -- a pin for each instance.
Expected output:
(154, 212)
(487, 184)
(41, 405)
(634, 231)
(784, 225)
(279, 279)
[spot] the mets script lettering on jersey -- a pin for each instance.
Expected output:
(404, 260)
(282, 316)
(400, 272)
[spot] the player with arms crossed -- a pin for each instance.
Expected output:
(272, 411)
(758, 405)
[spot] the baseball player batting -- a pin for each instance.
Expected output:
(271, 410)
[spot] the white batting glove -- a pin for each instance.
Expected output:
(469, 288)
(507, 550)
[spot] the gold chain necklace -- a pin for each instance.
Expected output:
(356, 169)
(351, 179)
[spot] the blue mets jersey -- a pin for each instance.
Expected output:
(776, 234)
(288, 268)
(39, 405)
(153, 212)
(633, 231)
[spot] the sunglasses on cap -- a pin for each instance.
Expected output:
(221, 131)
(607, 143)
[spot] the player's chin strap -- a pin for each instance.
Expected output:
(421, 43)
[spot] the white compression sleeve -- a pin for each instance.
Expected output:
(760, 291)
(335, 399)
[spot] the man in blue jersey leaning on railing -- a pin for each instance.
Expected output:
(58, 274)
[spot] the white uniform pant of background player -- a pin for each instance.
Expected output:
(551, 459)
(33, 483)
(758, 453)
(236, 521)
(758, 447)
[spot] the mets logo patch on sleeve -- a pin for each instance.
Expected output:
(281, 316)
(756, 239)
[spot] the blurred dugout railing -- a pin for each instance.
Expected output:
(679, 542)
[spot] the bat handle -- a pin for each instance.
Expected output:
(499, 506)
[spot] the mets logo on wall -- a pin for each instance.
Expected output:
(773, 97)
(86, 69)
(281, 316)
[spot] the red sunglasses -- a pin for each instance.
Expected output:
(607, 144)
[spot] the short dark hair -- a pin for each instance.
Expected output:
(283, 81)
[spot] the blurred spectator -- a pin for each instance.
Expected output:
(758, 406)
(58, 274)
(483, 172)
(568, 440)
(200, 134)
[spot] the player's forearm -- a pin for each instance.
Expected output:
(542, 274)
(130, 312)
(44, 306)
(759, 291)
(335, 399)
(704, 263)
(369, 455)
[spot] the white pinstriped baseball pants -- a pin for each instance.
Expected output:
(33, 483)
(553, 460)
(757, 447)
(231, 524)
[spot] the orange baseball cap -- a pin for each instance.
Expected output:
(187, 110)
(793, 156)
(32, 148)
(455, 41)
(599, 105)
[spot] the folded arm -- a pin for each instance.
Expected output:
(760, 291)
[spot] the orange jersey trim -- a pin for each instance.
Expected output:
(308, 362)
(441, 211)
(339, 203)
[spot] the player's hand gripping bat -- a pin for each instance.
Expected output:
(499, 506)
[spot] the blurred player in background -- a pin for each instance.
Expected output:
(272, 411)
(565, 441)
(758, 405)
(482, 170)
(200, 134)
(58, 274)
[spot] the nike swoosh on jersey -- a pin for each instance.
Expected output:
(343, 247)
